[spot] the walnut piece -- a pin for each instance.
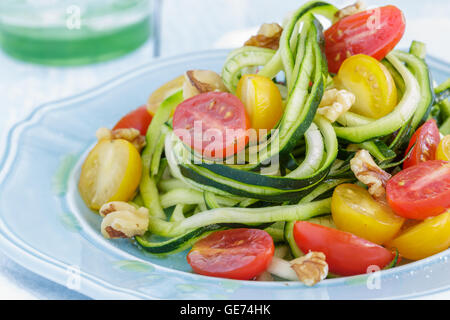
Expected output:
(357, 7)
(113, 206)
(335, 103)
(130, 134)
(268, 36)
(311, 268)
(122, 220)
(103, 134)
(368, 172)
(201, 81)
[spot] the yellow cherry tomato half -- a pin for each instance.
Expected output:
(355, 211)
(443, 149)
(371, 83)
(262, 100)
(111, 172)
(424, 239)
(163, 92)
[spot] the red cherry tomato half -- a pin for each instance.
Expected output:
(138, 119)
(420, 191)
(213, 123)
(424, 143)
(240, 254)
(373, 32)
(346, 254)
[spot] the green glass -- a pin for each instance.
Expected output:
(73, 32)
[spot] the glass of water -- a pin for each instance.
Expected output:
(74, 32)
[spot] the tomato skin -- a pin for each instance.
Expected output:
(111, 172)
(371, 83)
(262, 100)
(424, 239)
(138, 119)
(346, 254)
(163, 92)
(240, 254)
(355, 211)
(421, 191)
(424, 143)
(371, 32)
(198, 120)
(443, 150)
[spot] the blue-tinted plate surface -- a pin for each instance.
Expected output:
(45, 226)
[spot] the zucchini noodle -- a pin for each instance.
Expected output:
(189, 197)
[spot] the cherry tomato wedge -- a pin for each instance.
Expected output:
(163, 92)
(373, 32)
(111, 172)
(214, 124)
(346, 254)
(424, 143)
(355, 210)
(138, 119)
(371, 83)
(240, 254)
(443, 150)
(424, 239)
(262, 100)
(420, 191)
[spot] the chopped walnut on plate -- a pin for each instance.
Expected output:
(369, 173)
(130, 134)
(201, 81)
(122, 220)
(311, 268)
(335, 103)
(357, 7)
(268, 36)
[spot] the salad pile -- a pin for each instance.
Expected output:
(315, 153)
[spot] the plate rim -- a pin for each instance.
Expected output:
(41, 263)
